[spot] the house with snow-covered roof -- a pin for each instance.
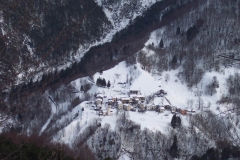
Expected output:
(141, 97)
(120, 105)
(161, 109)
(127, 107)
(134, 98)
(108, 113)
(141, 106)
(183, 112)
(99, 96)
(125, 100)
(134, 91)
(173, 109)
(110, 101)
(167, 107)
(151, 106)
(118, 97)
(98, 101)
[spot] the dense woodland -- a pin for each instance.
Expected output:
(36, 36)
(192, 37)
(14, 146)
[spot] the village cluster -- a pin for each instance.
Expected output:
(133, 101)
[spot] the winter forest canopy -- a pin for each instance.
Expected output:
(120, 79)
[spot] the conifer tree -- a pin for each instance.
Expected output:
(98, 82)
(174, 61)
(174, 148)
(82, 88)
(174, 121)
(108, 84)
(226, 152)
(104, 82)
(161, 45)
(111, 56)
(178, 30)
(178, 121)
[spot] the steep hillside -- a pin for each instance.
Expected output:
(40, 35)
(156, 80)
(97, 58)
(184, 58)
(122, 12)
(55, 34)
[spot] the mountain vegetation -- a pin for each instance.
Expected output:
(46, 45)
(20, 147)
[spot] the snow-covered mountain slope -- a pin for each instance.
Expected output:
(123, 78)
(189, 80)
(64, 32)
(178, 68)
(121, 13)
(178, 93)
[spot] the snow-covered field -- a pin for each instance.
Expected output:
(69, 133)
(124, 157)
(178, 94)
(123, 77)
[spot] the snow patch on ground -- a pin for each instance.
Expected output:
(178, 95)
(49, 120)
(152, 120)
(124, 157)
(80, 122)
(118, 24)
(154, 37)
